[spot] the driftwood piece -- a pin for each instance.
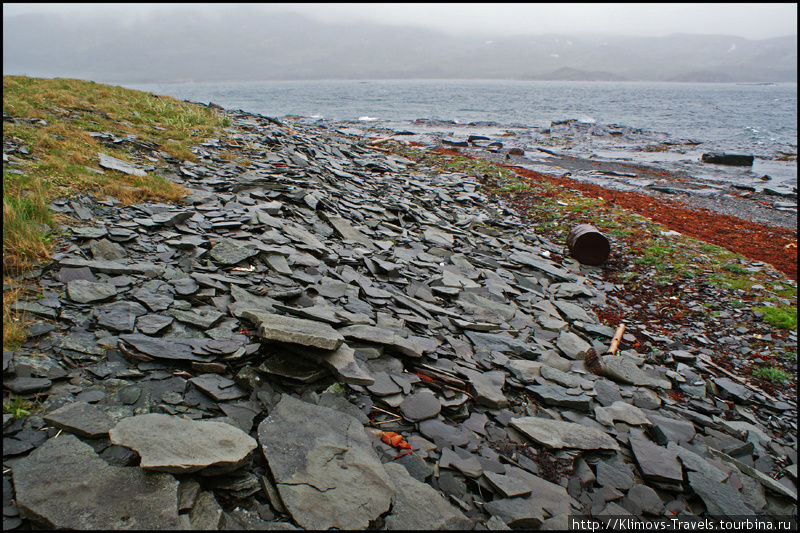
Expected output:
(614, 347)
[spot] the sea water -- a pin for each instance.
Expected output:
(758, 119)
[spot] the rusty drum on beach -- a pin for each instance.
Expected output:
(587, 245)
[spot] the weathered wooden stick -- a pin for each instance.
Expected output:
(386, 412)
(614, 348)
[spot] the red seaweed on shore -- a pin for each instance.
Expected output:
(760, 242)
(770, 244)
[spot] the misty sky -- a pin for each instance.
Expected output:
(753, 21)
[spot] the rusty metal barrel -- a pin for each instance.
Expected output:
(588, 245)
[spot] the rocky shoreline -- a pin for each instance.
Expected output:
(614, 157)
(334, 336)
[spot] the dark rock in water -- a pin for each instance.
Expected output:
(81, 419)
(719, 158)
(109, 498)
(324, 467)
(173, 444)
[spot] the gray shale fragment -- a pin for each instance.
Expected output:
(84, 292)
(417, 506)
(110, 497)
(82, 419)
(324, 467)
(294, 330)
(559, 434)
(173, 444)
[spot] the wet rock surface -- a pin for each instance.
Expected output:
(334, 336)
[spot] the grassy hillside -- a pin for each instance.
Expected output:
(47, 127)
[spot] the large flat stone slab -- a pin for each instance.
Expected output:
(624, 370)
(84, 292)
(560, 434)
(112, 163)
(295, 330)
(64, 484)
(81, 419)
(324, 467)
(384, 336)
(177, 445)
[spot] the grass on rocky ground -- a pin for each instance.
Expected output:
(47, 128)
(649, 258)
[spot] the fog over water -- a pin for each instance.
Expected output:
(241, 42)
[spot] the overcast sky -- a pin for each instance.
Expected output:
(753, 21)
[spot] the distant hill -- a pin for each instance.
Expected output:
(244, 43)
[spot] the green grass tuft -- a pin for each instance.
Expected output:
(783, 317)
(774, 374)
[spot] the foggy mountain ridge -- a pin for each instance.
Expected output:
(245, 44)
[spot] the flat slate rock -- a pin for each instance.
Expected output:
(230, 252)
(560, 397)
(112, 163)
(384, 336)
(420, 405)
(119, 316)
(624, 370)
(177, 445)
(507, 486)
(720, 499)
(622, 411)
(110, 497)
(345, 367)
(84, 292)
(560, 434)
(167, 347)
(23, 385)
(572, 345)
(614, 473)
(152, 324)
(295, 330)
(325, 469)
(218, 387)
(443, 434)
(418, 506)
(656, 462)
(81, 419)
